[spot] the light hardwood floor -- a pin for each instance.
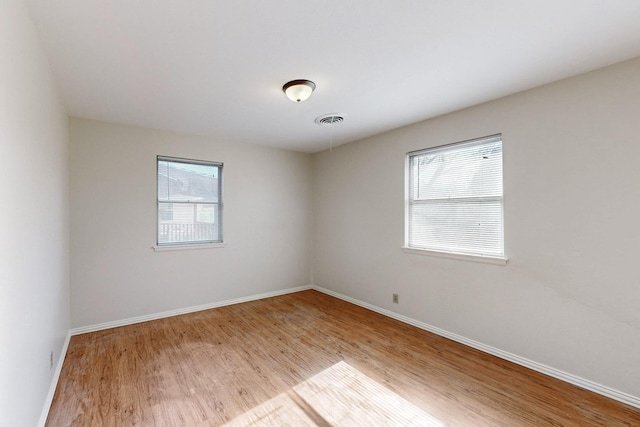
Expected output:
(306, 359)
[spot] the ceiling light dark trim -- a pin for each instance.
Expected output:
(299, 90)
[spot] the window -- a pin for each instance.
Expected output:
(454, 199)
(189, 201)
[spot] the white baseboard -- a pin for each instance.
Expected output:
(179, 311)
(539, 367)
(547, 370)
(54, 382)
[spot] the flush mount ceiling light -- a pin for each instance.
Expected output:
(298, 90)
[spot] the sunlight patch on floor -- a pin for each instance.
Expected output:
(338, 396)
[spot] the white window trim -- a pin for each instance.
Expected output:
(178, 246)
(486, 259)
(187, 247)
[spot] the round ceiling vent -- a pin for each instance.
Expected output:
(329, 119)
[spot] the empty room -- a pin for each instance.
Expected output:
(295, 213)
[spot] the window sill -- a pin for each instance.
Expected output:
(462, 257)
(166, 248)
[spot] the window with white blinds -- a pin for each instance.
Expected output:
(454, 201)
(189, 201)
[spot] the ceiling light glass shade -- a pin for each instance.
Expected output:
(299, 90)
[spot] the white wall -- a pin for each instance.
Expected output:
(34, 254)
(570, 294)
(115, 274)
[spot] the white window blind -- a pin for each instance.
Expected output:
(455, 198)
(189, 201)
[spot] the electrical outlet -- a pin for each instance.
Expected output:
(51, 360)
(395, 298)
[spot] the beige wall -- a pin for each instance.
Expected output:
(34, 250)
(115, 273)
(569, 297)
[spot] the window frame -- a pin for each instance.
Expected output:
(191, 244)
(465, 256)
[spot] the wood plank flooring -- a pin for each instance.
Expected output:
(306, 359)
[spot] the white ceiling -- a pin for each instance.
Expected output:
(216, 67)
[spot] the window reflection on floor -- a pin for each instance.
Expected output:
(338, 396)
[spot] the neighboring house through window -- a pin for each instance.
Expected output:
(189, 201)
(454, 199)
